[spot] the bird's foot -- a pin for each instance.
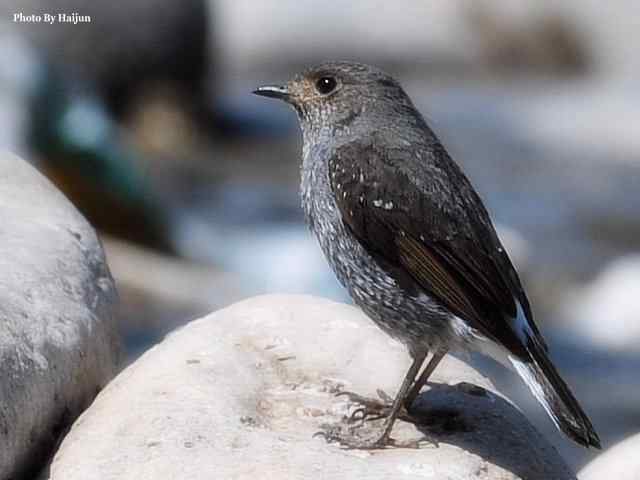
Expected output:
(356, 433)
(373, 408)
(354, 438)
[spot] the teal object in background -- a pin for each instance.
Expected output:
(80, 148)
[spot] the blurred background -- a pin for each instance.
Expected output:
(144, 118)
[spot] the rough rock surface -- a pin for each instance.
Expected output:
(620, 462)
(239, 395)
(58, 341)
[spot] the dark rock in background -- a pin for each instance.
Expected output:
(58, 335)
(126, 49)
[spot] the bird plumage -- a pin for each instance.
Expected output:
(452, 252)
(407, 234)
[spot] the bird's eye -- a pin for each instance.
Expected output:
(326, 85)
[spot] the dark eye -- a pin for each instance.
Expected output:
(326, 85)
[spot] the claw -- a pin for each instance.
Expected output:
(349, 441)
(370, 417)
(370, 408)
(350, 434)
(362, 411)
(354, 397)
(372, 403)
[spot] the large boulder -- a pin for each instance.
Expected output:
(58, 337)
(239, 395)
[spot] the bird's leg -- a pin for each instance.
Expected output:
(424, 376)
(381, 440)
(373, 409)
(398, 403)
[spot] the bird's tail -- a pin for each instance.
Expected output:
(552, 392)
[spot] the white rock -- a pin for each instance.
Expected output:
(58, 342)
(606, 312)
(621, 462)
(240, 393)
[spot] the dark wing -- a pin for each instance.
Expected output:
(423, 218)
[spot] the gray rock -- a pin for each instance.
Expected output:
(58, 340)
(620, 462)
(239, 395)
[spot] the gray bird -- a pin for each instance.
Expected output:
(410, 239)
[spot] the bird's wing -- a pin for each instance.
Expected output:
(432, 225)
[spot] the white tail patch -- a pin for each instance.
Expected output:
(529, 377)
(477, 341)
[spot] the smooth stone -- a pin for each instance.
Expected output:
(621, 462)
(58, 337)
(240, 394)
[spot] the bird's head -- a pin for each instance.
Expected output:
(334, 94)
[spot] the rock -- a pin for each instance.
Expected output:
(606, 312)
(58, 340)
(239, 394)
(620, 462)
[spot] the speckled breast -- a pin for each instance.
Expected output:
(416, 321)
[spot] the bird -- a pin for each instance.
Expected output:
(410, 239)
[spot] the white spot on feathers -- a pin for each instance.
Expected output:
(377, 202)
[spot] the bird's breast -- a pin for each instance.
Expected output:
(412, 320)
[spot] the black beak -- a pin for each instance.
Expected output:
(273, 91)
